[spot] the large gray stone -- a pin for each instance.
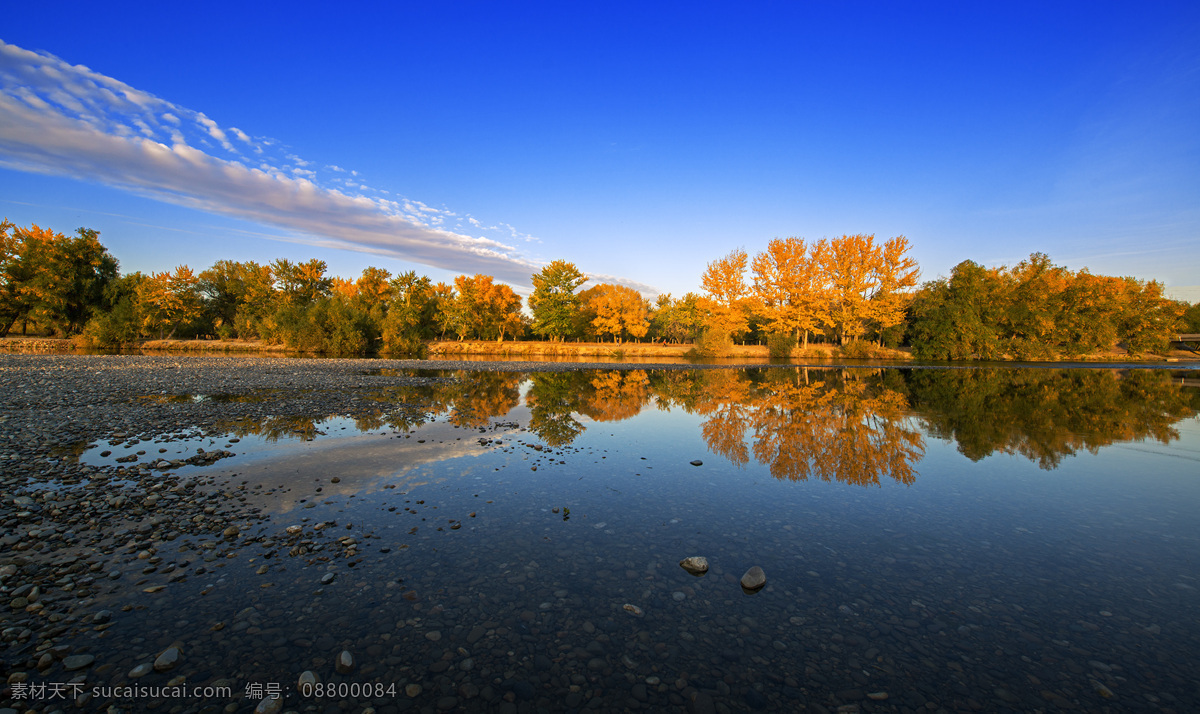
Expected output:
(754, 579)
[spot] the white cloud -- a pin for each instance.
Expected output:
(60, 119)
(648, 291)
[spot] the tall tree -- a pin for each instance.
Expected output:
(484, 309)
(677, 320)
(619, 311)
(169, 300)
(849, 264)
(374, 290)
(301, 283)
(957, 318)
(56, 280)
(410, 314)
(725, 289)
(554, 301)
(896, 275)
(788, 286)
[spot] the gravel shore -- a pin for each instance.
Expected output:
(78, 535)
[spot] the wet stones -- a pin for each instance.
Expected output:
(345, 662)
(753, 580)
(75, 662)
(696, 565)
(168, 659)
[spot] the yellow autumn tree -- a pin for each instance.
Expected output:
(344, 289)
(373, 290)
(725, 295)
(483, 308)
(869, 284)
(896, 275)
(619, 311)
(788, 286)
(169, 300)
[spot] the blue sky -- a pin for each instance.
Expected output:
(639, 141)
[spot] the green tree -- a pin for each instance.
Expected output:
(230, 288)
(1149, 319)
(676, 321)
(119, 323)
(1190, 320)
(411, 314)
(958, 318)
(554, 302)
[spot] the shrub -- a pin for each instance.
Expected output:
(780, 345)
(712, 343)
(863, 349)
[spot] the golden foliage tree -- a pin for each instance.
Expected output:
(617, 310)
(725, 294)
(789, 287)
(169, 300)
(483, 308)
(869, 284)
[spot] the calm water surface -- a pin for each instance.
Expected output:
(933, 540)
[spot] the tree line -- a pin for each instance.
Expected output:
(853, 291)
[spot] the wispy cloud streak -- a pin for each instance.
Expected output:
(63, 119)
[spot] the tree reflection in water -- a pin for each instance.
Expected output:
(857, 426)
(1047, 414)
(834, 425)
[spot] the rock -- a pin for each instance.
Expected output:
(754, 580)
(877, 696)
(167, 660)
(345, 662)
(75, 662)
(524, 690)
(697, 462)
(696, 565)
(328, 578)
(633, 610)
(755, 699)
(141, 670)
(413, 690)
(270, 705)
(308, 680)
(231, 532)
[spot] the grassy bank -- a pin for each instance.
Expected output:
(565, 351)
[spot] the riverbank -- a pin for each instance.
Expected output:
(541, 352)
